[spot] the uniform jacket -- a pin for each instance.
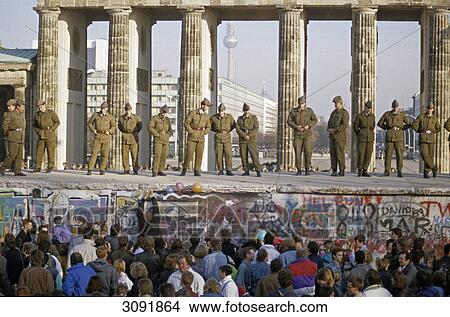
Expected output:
(160, 128)
(222, 127)
(247, 126)
(300, 118)
(14, 126)
(130, 128)
(425, 123)
(197, 125)
(364, 127)
(101, 123)
(45, 124)
(338, 121)
(447, 127)
(394, 124)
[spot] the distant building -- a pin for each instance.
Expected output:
(97, 55)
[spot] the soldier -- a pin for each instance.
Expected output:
(394, 122)
(247, 128)
(427, 125)
(197, 125)
(14, 131)
(337, 126)
(364, 127)
(447, 127)
(130, 125)
(159, 126)
(223, 123)
(302, 119)
(11, 105)
(45, 123)
(103, 125)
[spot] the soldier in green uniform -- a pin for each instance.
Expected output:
(11, 106)
(130, 125)
(197, 124)
(337, 126)
(45, 123)
(223, 123)
(394, 122)
(13, 128)
(159, 126)
(103, 125)
(364, 127)
(427, 125)
(301, 120)
(247, 128)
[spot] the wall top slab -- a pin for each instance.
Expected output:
(227, 3)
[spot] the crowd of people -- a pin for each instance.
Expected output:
(95, 264)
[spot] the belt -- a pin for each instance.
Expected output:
(47, 128)
(18, 129)
(247, 131)
(222, 131)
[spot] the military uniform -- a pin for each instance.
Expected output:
(11, 104)
(197, 125)
(394, 124)
(364, 126)
(303, 142)
(427, 126)
(13, 127)
(447, 127)
(100, 124)
(161, 130)
(130, 126)
(248, 126)
(338, 121)
(222, 139)
(45, 124)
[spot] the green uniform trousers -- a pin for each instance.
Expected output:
(15, 156)
(41, 146)
(194, 147)
(390, 146)
(303, 145)
(337, 154)
(253, 149)
(427, 154)
(160, 152)
(103, 149)
(224, 150)
(365, 150)
(126, 149)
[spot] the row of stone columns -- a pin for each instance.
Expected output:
(292, 74)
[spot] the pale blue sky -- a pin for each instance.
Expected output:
(398, 69)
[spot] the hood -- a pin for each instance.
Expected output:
(100, 266)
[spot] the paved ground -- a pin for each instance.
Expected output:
(317, 182)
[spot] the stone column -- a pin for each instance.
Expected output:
(47, 59)
(438, 78)
(363, 81)
(291, 79)
(118, 73)
(190, 71)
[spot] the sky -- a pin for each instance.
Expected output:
(256, 55)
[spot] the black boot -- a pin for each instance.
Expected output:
(183, 172)
(246, 173)
(385, 174)
(365, 174)
(426, 175)
(258, 174)
(197, 173)
(162, 174)
(102, 172)
(359, 172)
(341, 173)
(299, 172)
(230, 173)
(435, 171)
(399, 174)
(220, 173)
(334, 173)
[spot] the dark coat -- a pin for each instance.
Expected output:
(108, 274)
(14, 264)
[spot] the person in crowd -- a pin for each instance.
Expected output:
(112, 238)
(385, 274)
(325, 278)
(228, 287)
(105, 271)
(360, 269)
(211, 288)
(123, 278)
(187, 279)
(242, 278)
(258, 270)
(122, 252)
(337, 267)
(151, 260)
(229, 248)
(374, 287)
(23, 291)
(289, 254)
(95, 287)
(268, 246)
(439, 282)
(78, 276)
(304, 272)
(121, 291)
(200, 252)
(169, 267)
(213, 261)
(13, 257)
(443, 264)
(269, 283)
(167, 290)
(86, 248)
(184, 265)
(61, 234)
(418, 259)
(313, 249)
(410, 271)
(35, 277)
(138, 271)
(145, 287)
(285, 281)
(354, 287)
(424, 282)
(25, 233)
(399, 284)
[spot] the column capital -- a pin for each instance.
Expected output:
(289, 7)
(364, 9)
(184, 9)
(437, 10)
(118, 10)
(47, 10)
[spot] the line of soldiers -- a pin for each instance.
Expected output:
(301, 119)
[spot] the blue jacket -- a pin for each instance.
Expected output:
(77, 279)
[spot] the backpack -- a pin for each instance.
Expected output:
(234, 271)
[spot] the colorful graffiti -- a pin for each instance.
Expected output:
(312, 216)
